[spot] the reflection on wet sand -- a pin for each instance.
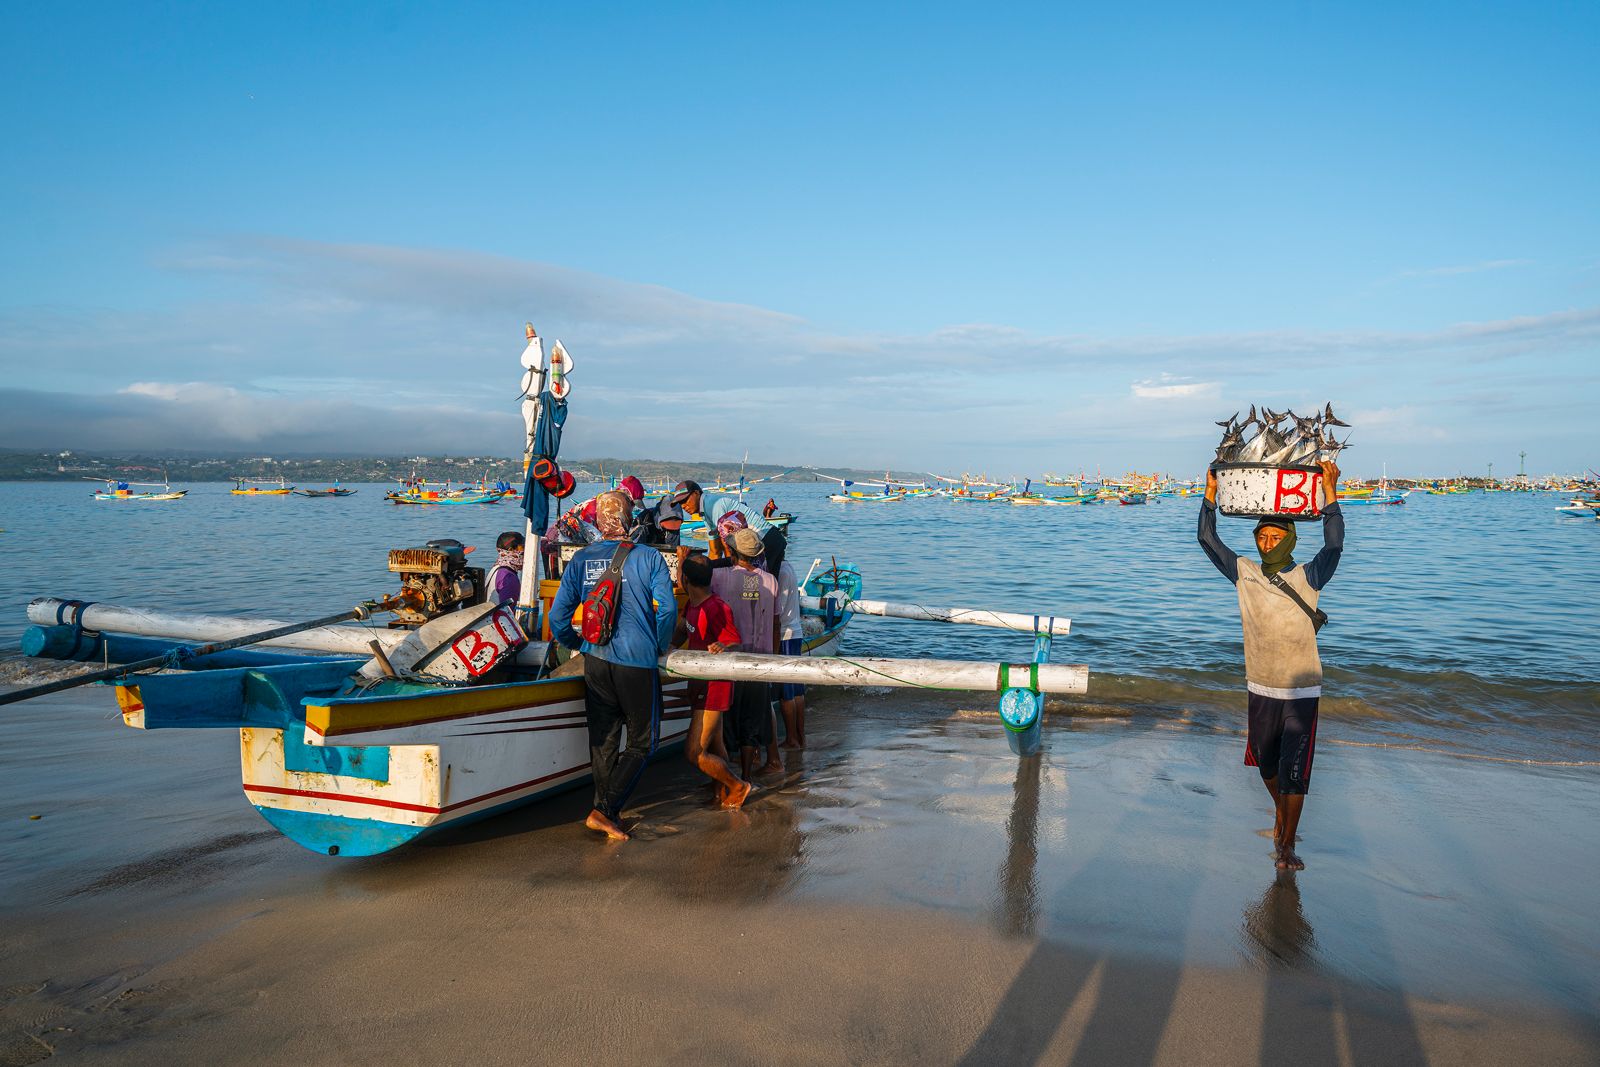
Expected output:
(1019, 887)
(1276, 931)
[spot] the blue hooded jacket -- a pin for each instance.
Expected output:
(646, 612)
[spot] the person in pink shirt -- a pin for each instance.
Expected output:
(752, 596)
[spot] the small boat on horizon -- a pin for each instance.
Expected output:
(241, 487)
(120, 490)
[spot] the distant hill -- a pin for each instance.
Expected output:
(17, 465)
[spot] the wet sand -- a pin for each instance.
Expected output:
(909, 893)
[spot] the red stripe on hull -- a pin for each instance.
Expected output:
(424, 808)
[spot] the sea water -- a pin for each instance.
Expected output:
(1459, 622)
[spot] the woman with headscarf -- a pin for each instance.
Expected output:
(773, 542)
(1283, 672)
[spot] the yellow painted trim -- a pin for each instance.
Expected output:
(401, 711)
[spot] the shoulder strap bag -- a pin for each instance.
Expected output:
(1318, 617)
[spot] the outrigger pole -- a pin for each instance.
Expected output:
(1003, 620)
(178, 656)
(949, 674)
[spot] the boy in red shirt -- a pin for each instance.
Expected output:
(706, 625)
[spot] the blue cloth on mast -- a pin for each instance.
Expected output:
(546, 444)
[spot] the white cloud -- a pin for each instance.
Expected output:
(1168, 388)
(1464, 268)
(343, 347)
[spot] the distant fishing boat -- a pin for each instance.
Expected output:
(119, 490)
(437, 498)
(696, 527)
(1131, 498)
(244, 488)
(1053, 501)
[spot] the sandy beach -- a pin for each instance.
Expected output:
(909, 893)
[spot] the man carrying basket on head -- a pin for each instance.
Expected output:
(1278, 607)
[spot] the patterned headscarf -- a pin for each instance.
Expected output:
(613, 515)
(730, 524)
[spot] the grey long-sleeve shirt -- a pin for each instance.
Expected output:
(1317, 572)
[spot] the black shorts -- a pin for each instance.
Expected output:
(750, 717)
(1282, 740)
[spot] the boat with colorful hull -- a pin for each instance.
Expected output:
(432, 497)
(131, 491)
(243, 488)
(349, 766)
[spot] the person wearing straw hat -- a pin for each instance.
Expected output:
(751, 593)
(1283, 671)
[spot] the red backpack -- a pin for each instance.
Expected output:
(601, 606)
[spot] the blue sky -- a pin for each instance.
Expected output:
(951, 236)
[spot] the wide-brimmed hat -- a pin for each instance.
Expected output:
(747, 544)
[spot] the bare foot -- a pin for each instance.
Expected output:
(597, 821)
(791, 744)
(1288, 861)
(737, 797)
(770, 767)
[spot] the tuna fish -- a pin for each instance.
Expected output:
(1280, 438)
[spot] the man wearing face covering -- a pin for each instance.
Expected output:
(1283, 672)
(622, 677)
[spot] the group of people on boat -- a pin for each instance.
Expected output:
(740, 594)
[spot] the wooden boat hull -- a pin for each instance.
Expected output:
(261, 492)
(359, 775)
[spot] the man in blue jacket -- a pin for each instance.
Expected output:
(622, 677)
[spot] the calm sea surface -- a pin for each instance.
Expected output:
(1460, 622)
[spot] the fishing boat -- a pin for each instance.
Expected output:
(356, 739)
(1382, 497)
(119, 490)
(334, 490)
(244, 488)
(866, 498)
(696, 526)
(1053, 501)
(442, 500)
(1130, 498)
(1581, 509)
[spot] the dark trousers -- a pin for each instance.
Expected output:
(776, 545)
(616, 696)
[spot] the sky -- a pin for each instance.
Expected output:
(949, 237)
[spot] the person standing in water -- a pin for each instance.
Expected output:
(1283, 673)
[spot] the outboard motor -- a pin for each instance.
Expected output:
(434, 580)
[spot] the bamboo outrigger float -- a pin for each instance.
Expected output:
(355, 739)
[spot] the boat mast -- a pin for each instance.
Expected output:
(533, 379)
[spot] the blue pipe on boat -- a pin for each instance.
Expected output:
(72, 643)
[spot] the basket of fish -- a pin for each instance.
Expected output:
(1269, 465)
